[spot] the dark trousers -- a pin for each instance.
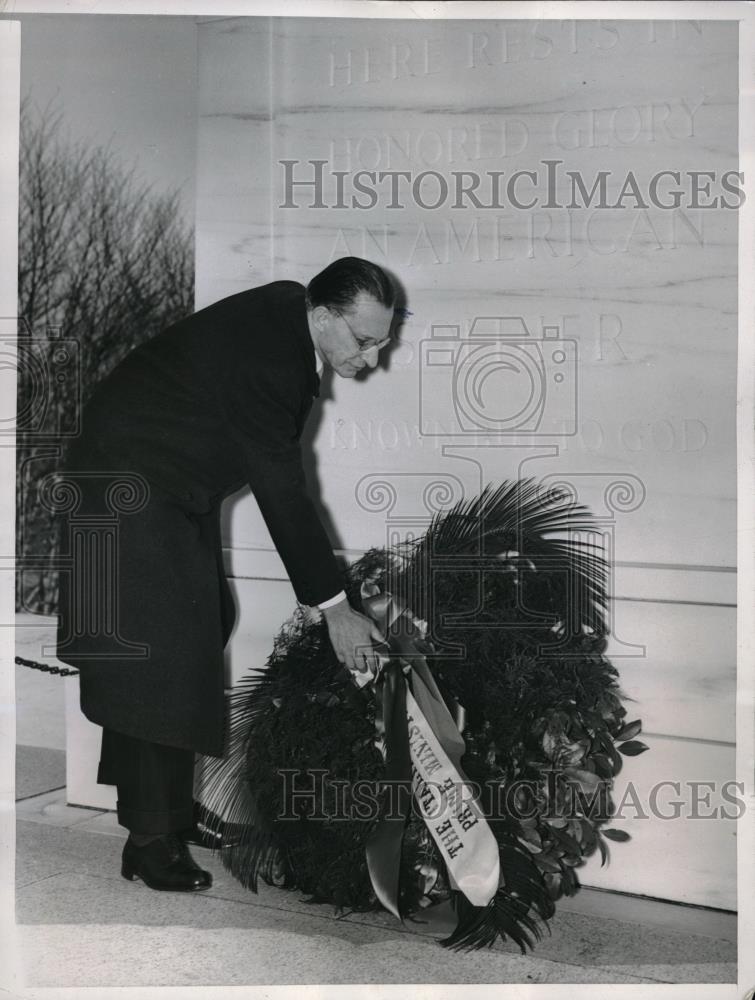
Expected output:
(155, 782)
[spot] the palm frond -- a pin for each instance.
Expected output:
(519, 910)
(229, 810)
(521, 521)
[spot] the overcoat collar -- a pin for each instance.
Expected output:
(300, 326)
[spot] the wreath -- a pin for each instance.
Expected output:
(508, 600)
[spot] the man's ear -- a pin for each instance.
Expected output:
(320, 316)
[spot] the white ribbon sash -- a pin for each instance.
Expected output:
(451, 813)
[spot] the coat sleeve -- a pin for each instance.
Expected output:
(263, 417)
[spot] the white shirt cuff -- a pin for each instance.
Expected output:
(333, 600)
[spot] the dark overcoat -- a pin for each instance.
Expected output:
(213, 402)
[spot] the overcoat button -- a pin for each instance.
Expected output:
(189, 495)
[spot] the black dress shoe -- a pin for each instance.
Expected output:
(164, 863)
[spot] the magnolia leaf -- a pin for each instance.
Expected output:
(633, 748)
(620, 836)
(616, 759)
(572, 862)
(572, 753)
(603, 740)
(548, 864)
(575, 829)
(630, 730)
(602, 765)
(553, 884)
(530, 835)
(522, 798)
(586, 834)
(605, 855)
(569, 882)
(532, 848)
(569, 842)
(585, 779)
(576, 729)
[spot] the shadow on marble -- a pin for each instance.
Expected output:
(238, 944)
(67, 875)
(51, 809)
(39, 770)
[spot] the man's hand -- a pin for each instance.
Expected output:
(353, 636)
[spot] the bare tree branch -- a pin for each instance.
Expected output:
(104, 260)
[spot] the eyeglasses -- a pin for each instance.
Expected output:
(363, 343)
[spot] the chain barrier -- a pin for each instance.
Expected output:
(46, 667)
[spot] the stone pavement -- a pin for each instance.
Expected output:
(80, 924)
